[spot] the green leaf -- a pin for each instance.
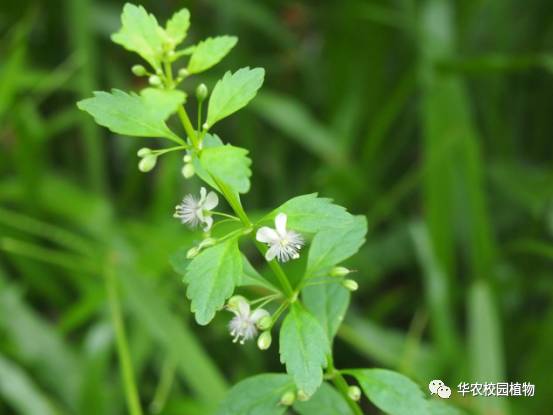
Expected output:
(250, 276)
(391, 392)
(211, 278)
(311, 214)
(209, 141)
(442, 408)
(135, 115)
(177, 27)
(258, 395)
(228, 164)
(140, 33)
(326, 401)
(303, 348)
(332, 246)
(328, 303)
(210, 52)
(233, 92)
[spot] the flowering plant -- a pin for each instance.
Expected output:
(306, 307)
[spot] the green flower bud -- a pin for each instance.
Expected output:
(154, 80)
(302, 396)
(205, 126)
(188, 171)
(187, 158)
(143, 152)
(264, 340)
(192, 252)
(234, 301)
(339, 272)
(139, 70)
(207, 242)
(171, 53)
(147, 163)
(201, 92)
(354, 393)
(350, 285)
(265, 323)
(288, 398)
(183, 73)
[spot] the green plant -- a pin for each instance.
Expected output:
(311, 297)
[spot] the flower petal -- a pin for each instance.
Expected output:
(211, 201)
(259, 314)
(272, 252)
(266, 235)
(280, 224)
(244, 308)
(202, 195)
(208, 221)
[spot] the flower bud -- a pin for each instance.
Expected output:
(187, 158)
(207, 242)
(350, 285)
(288, 398)
(265, 323)
(154, 80)
(188, 171)
(354, 393)
(201, 92)
(264, 340)
(192, 252)
(339, 272)
(205, 126)
(143, 152)
(234, 302)
(302, 396)
(139, 70)
(147, 163)
(183, 73)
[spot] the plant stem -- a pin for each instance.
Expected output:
(127, 371)
(342, 386)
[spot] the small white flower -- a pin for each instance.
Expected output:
(243, 324)
(283, 244)
(193, 211)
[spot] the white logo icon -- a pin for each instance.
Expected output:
(438, 387)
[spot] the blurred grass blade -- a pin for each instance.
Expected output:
(17, 389)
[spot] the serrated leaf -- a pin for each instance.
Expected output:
(228, 164)
(311, 214)
(303, 348)
(233, 92)
(209, 141)
(177, 26)
(332, 246)
(391, 392)
(210, 52)
(326, 401)
(135, 115)
(328, 303)
(140, 33)
(258, 395)
(211, 278)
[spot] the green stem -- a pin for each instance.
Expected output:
(164, 387)
(226, 215)
(127, 371)
(188, 128)
(342, 386)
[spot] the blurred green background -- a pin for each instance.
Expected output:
(432, 117)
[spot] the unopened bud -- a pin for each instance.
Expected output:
(302, 396)
(138, 70)
(201, 92)
(192, 252)
(288, 398)
(264, 340)
(207, 242)
(265, 323)
(339, 272)
(147, 163)
(354, 393)
(154, 80)
(350, 285)
(205, 126)
(188, 171)
(183, 73)
(187, 158)
(171, 53)
(144, 151)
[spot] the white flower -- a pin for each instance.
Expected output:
(243, 324)
(193, 211)
(283, 244)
